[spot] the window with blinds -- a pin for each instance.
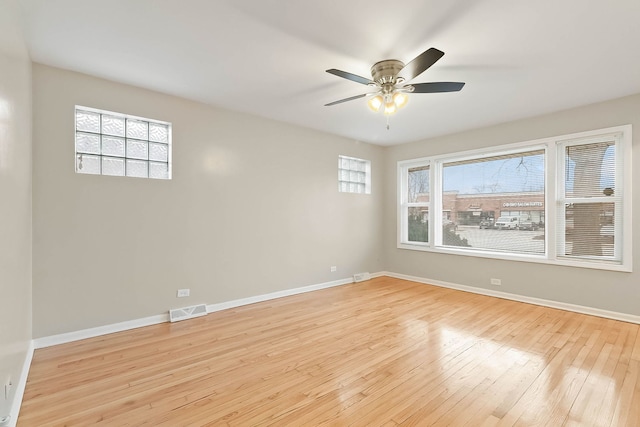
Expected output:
(589, 199)
(563, 200)
(354, 175)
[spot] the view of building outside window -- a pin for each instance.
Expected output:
(484, 197)
(498, 203)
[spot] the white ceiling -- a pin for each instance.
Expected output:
(268, 57)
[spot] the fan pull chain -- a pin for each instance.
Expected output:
(387, 122)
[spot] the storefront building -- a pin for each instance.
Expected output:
(470, 209)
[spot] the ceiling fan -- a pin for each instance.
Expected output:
(391, 82)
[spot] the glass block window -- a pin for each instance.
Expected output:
(354, 175)
(116, 144)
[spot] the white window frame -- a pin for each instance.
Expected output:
(403, 177)
(78, 155)
(554, 180)
(366, 185)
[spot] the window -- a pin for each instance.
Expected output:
(589, 203)
(116, 144)
(354, 175)
(416, 202)
(559, 200)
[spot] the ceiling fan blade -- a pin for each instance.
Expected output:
(436, 87)
(346, 99)
(349, 76)
(420, 63)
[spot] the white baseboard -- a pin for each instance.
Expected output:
(100, 330)
(20, 386)
(521, 298)
(161, 318)
(211, 308)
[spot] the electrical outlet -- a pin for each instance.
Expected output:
(183, 293)
(496, 282)
(334, 268)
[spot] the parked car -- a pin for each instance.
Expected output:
(527, 224)
(508, 222)
(487, 223)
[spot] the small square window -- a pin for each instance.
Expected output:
(354, 175)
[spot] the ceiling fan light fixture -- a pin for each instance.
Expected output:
(390, 108)
(400, 99)
(375, 103)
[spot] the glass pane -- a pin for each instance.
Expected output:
(590, 170)
(137, 129)
(137, 149)
(87, 143)
(345, 163)
(158, 133)
(353, 177)
(344, 187)
(418, 185)
(589, 230)
(112, 125)
(418, 223)
(112, 146)
(495, 203)
(112, 166)
(87, 121)
(88, 164)
(137, 168)
(159, 152)
(158, 170)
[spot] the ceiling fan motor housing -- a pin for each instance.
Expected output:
(385, 72)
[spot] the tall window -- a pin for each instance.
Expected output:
(116, 144)
(589, 199)
(561, 200)
(354, 175)
(416, 202)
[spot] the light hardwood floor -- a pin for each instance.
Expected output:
(380, 353)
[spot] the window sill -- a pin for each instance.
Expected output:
(539, 259)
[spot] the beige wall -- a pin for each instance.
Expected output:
(605, 290)
(252, 208)
(15, 202)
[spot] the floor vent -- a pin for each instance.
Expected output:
(361, 277)
(187, 312)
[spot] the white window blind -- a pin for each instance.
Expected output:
(590, 199)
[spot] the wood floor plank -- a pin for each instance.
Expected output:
(385, 352)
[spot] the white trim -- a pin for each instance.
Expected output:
(624, 317)
(211, 308)
(100, 330)
(20, 387)
(161, 318)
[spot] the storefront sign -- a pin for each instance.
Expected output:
(521, 204)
